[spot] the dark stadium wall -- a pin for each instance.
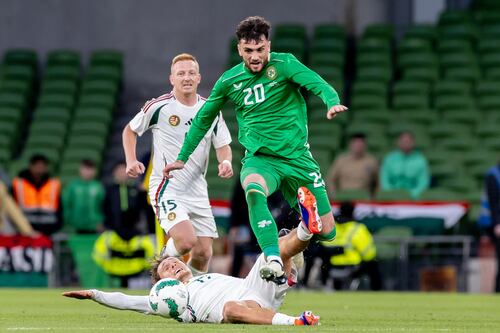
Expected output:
(151, 32)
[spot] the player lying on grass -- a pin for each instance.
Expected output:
(216, 298)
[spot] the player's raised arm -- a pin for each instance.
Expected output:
(313, 82)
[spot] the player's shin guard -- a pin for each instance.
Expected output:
(329, 236)
(261, 220)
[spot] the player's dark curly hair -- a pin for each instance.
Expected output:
(252, 28)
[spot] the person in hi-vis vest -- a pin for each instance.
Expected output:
(353, 248)
(39, 196)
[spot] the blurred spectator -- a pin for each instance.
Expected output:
(10, 210)
(39, 196)
(491, 211)
(122, 250)
(405, 168)
(352, 252)
(83, 201)
(355, 169)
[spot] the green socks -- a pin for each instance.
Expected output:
(261, 220)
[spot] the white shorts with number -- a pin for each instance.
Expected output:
(170, 211)
(268, 294)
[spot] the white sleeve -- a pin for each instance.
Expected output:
(145, 118)
(121, 301)
(220, 134)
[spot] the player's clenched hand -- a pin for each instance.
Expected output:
(79, 294)
(177, 165)
(225, 169)
(135, 168)
(334, 110)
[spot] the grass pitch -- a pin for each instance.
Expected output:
(40, 310)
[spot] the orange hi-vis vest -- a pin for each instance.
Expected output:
(39, 205)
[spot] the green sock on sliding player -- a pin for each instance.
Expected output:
(262, 222)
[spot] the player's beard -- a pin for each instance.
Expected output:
(262, 64)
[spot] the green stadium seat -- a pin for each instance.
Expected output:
(406, 87)
(413, 45)
(438, 194)
(329, 31)
(461, 184)
(52, 154)
(478, 171)
(374, 74)
(493, 74)
(373, 60)
(461, 31)
(426, 74)
(397, 127)
(5, 155)
(67, 87)
(63, 58)
(492, 143)
(464, 117)
(76, 155)
(454, 17)
(57, 100)
(410, 102)
(451, 88)
(389, 251)
(89, 128)
(92, 114)
(336, 60)
(18, 72)
(490, 60)
(486, 17)
(24, 57)
(460, 144)
(13, 100)
(326, 127)
(489, 103)
(422, 31)
(290, 30)
(366, 102)
(380, 31)
(417, 61)
(104, 101)
(393, 195)
(324, 141)
(44, 140)
(62, 73)
(52, 114)
(478, 157)
(15, 86)
(438, 156)
(458, 60)
(7, 130)
(330, 45)
(10, 115)
(445, 170)
(374, 46)
(490, 31)
(455, 46)
(488, 88)
(104, 73)
(487, 130)
(86, 141)
(444, 130)
(111, 58)
(471, 74)
(44, 127)
(460, 102)
(366, 128)
(381, 117)
(423, 117)
(487, 45)
(351, 195)
(292, 45)
(361, 88)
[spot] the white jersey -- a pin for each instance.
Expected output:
(169, 121)
(208, 294)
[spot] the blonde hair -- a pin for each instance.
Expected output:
(184, 57)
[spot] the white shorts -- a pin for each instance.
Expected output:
(171, 210)
(268, 294)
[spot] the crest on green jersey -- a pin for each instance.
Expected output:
(271, 73)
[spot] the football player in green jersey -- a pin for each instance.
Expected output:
(272, 121)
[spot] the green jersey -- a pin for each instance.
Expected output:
(270, 110)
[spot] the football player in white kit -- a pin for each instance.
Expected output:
(219, 298)
(181, 204)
